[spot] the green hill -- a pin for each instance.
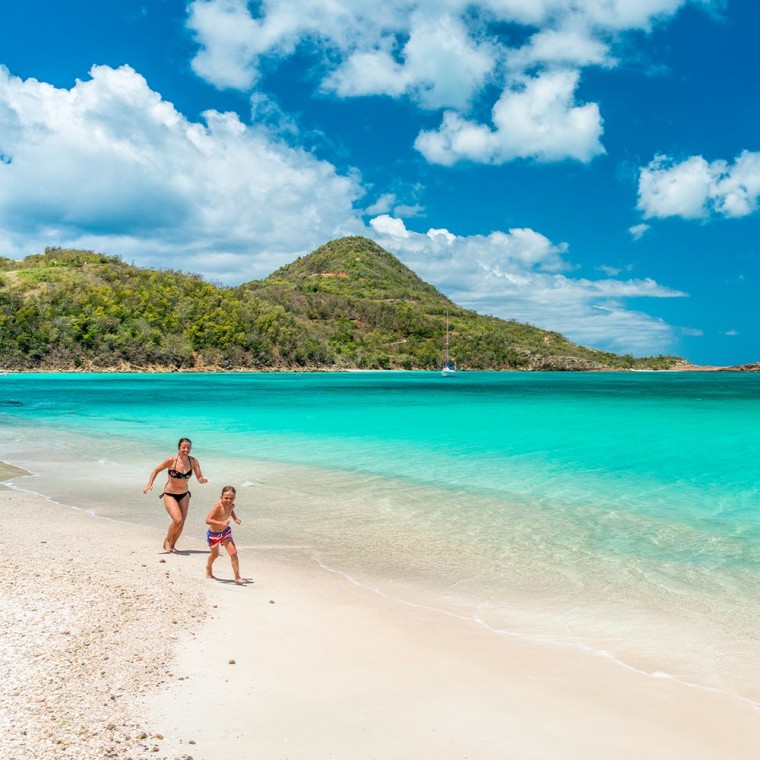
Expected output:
(349, 304)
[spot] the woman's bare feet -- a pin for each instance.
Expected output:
(241, 581)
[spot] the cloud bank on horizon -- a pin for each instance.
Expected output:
(524, 268)
(110, 164)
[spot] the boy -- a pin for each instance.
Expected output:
(219, 532)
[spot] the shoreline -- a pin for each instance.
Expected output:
(516, 621)
(137, 645)
(211, 370)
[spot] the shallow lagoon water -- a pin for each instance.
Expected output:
(617, 512)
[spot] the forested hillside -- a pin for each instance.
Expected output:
(349, 304)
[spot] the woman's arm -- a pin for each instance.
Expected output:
(155, 472)
(197, 470)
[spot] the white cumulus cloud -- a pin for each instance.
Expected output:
(110, 165)
(229, 54)
(564, 47)
(638, 230)
(696, 189)
(440, 65)
(538, 118)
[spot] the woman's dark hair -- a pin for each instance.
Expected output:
(182, 440)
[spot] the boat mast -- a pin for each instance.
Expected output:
(446, 344)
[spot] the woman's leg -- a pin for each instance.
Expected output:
(177, 510)
(184, 506)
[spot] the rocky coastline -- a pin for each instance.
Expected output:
(537, 364)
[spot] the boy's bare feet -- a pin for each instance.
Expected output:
(241, 581)
(209, 574)
(167, 548)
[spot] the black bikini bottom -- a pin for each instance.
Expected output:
(176, 496)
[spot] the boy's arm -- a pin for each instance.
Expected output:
(235, 517)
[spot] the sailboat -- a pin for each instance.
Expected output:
(449, 368)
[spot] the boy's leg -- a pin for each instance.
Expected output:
(211, 557)
(229, 545)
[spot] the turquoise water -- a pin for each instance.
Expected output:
(592, 510)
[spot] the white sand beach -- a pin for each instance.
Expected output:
(111, 648)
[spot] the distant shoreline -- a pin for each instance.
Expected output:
(751, 367)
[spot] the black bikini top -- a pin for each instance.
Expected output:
(181, 475)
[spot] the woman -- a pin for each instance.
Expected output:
(176, 495)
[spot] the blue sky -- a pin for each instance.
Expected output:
(588, 166)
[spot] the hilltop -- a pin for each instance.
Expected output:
(350, 304)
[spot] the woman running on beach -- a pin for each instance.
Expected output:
(176, 495)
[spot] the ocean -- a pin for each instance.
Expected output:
(614, 513)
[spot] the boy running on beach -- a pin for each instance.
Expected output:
(220, 533)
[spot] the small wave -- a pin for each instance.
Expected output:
(537, 639)
(91, 512)
(10, 402)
